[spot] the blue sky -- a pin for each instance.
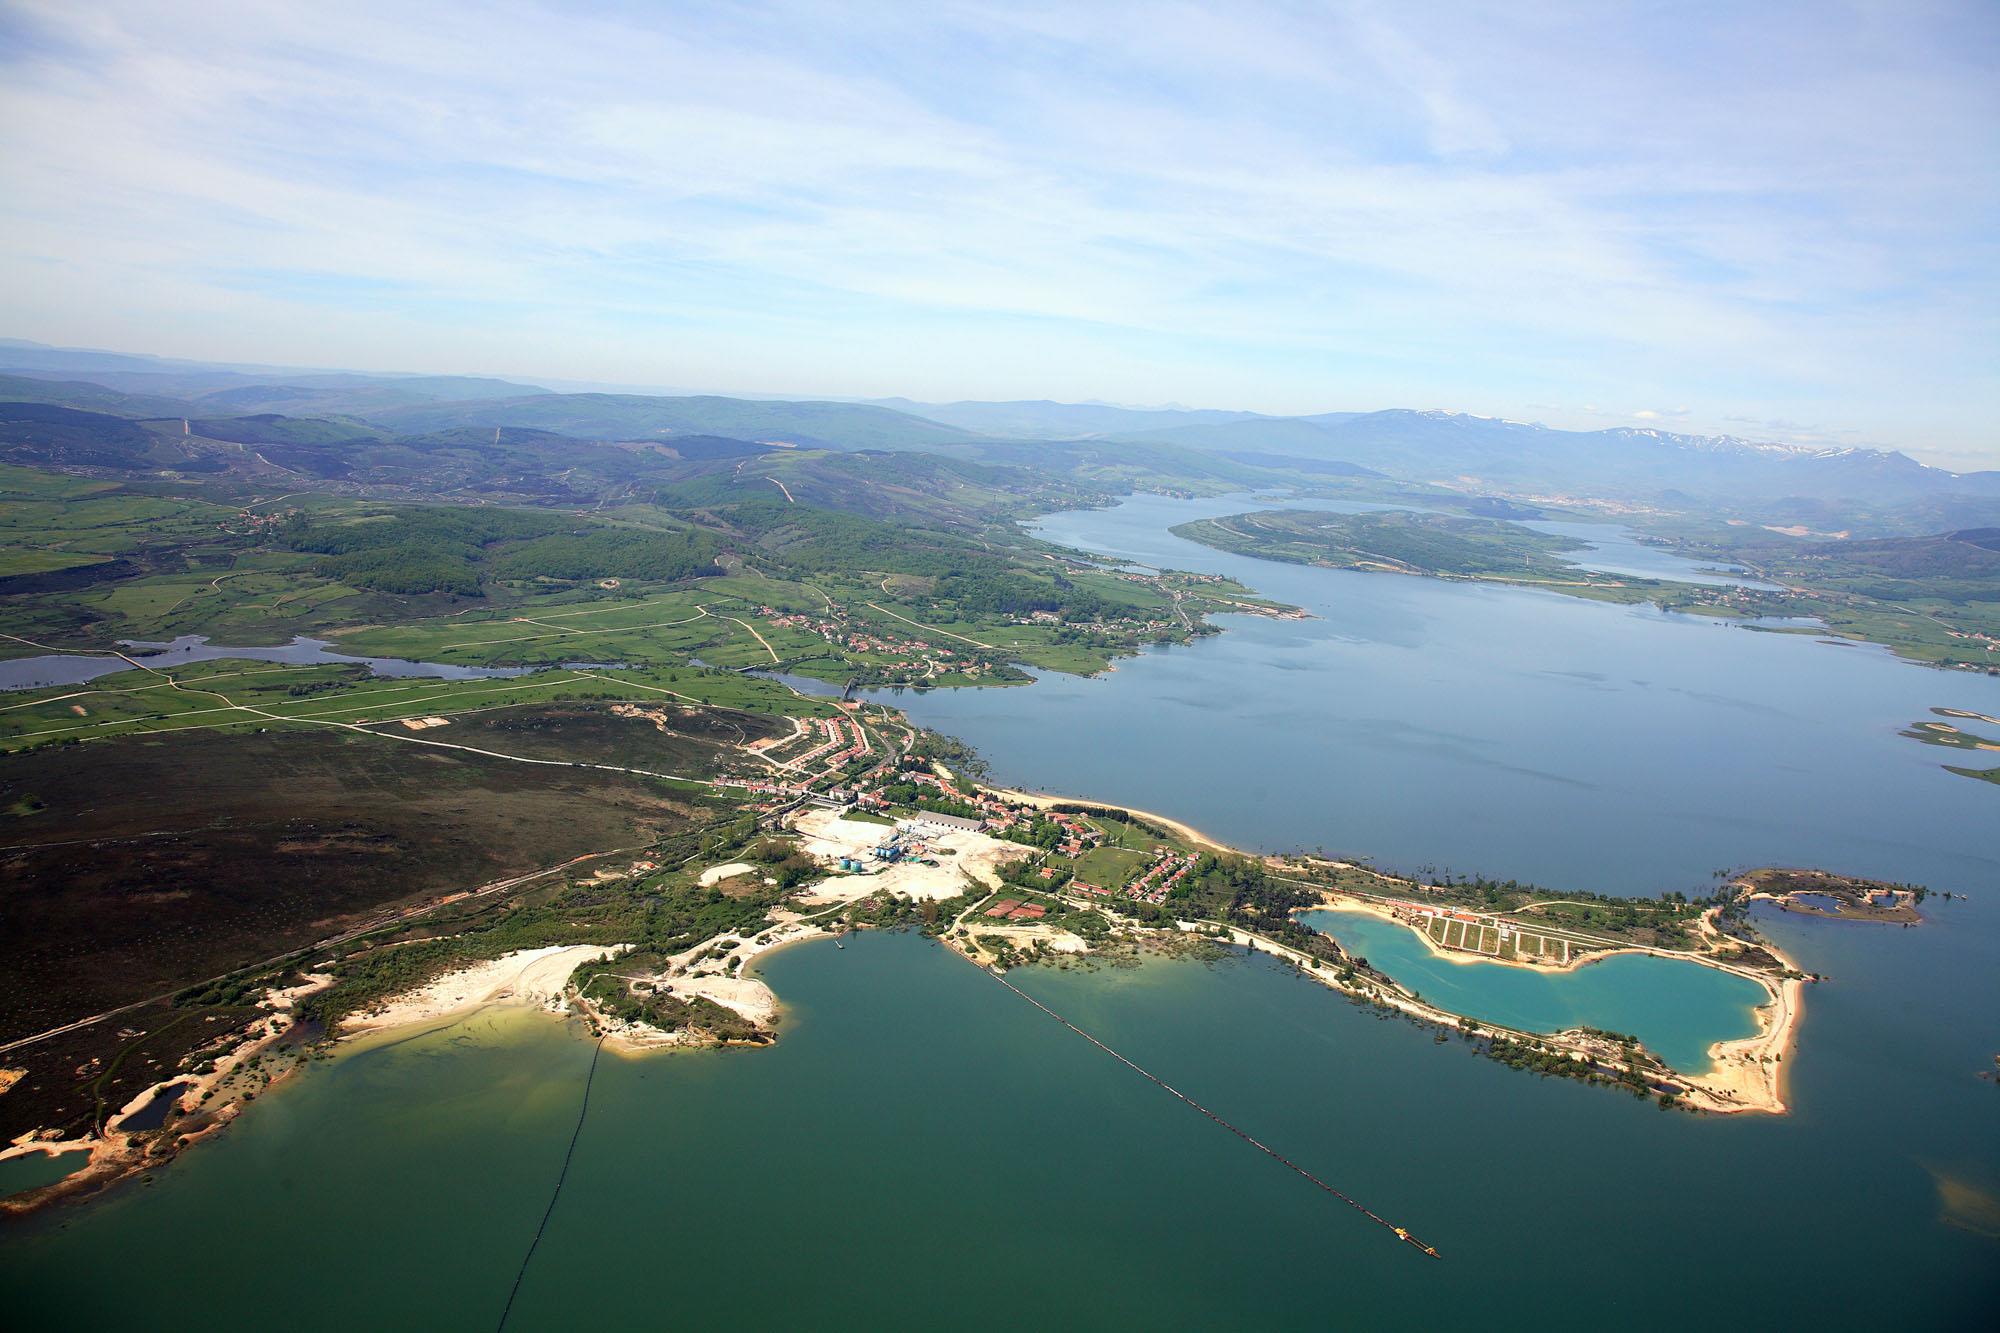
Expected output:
(1777, 221)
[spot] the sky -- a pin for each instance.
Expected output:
(1775, 221)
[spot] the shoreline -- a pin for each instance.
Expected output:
(522, 977)
(1043, 801)
(113, 1154)
(1460, 957)
(1743, 1073)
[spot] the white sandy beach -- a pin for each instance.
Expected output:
(527, 976)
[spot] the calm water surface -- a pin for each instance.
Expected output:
(33, 1170)
(1677, 1009)
(1611, 549)
(1516, 733)
(27, 673)
(918, 1130)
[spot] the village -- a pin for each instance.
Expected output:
(1153, 884)
(889, 655)
(895, 656)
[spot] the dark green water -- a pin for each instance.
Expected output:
(922, 1149)
(1677, 1009)
(37, 1169)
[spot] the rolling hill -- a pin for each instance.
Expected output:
(614, 416)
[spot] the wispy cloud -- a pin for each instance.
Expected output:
(1768, 214)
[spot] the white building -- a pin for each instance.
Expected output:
(935, 825)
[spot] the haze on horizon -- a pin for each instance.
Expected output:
(1776, 224)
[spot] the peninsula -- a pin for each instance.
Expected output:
(655, 948)
(1926, 599)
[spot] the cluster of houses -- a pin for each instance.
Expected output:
(251, 522)
(1079, 834)
(1422, 914)
(841, 741)
(907, 654)
(1016, 910)
(1991, 642)
(777, 792)
(1161, 877)
(841, 738)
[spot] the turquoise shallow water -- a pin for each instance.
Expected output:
(1677, 1009)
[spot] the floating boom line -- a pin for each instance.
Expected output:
(1380, 1221)
(582, 1112)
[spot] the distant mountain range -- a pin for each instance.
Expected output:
(1484, 453)
(1818, 487)
(1488, 454)
(1044, 420)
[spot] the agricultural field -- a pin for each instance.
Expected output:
(235, 695)
(1485, 939)
(746, 586)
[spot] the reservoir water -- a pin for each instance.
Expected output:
(1610, 549)
(33, 1170)
(921, 1148)
(1510, 732)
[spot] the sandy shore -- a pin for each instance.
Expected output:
(527, 976)
(47, 1149)
(746, 996)
(117, 1152)
(1174, 826)
(1025, 938)
(1750, 1073)
(1744, 1074)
